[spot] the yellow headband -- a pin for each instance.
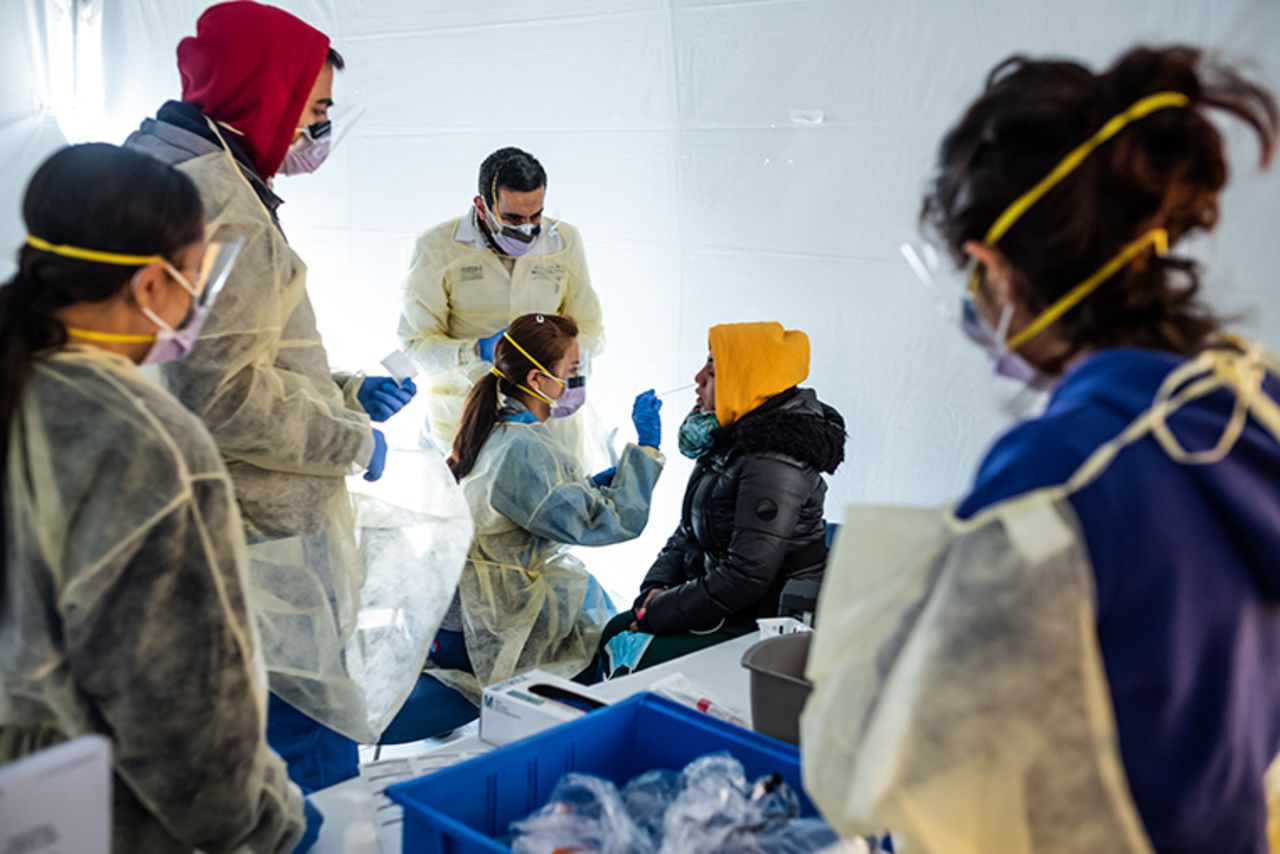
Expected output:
(1157, 237)
(535, 362)
(95, 255)
(1140, 110)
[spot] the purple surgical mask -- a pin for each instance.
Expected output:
(572, 399)
(1005, 362)
(173, 344)
(309, 151)
(513, 240)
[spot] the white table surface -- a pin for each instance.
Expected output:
(718, 669)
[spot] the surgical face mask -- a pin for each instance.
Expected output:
(575, 388)
(168, 344)
(309, 150)
(994, 342)
(171, 343)
(694, 437)
(571, 399)
(513, 240)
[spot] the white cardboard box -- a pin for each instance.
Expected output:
(530, 703)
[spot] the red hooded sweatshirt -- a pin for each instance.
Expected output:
(252, 66)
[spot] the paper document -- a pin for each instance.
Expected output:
(400, 367)
(388, 816)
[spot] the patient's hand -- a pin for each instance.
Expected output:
(652, 593)
(635, 624)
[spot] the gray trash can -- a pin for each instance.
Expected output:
(778, 687)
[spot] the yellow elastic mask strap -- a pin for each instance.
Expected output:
(532, 360)
(110, 337)
(497, 373)
(1068, 164)
(1157, 237)
(116, 258)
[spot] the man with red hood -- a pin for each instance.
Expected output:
(256, 90)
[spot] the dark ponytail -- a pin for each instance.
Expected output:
(479, 415)
(1165, 170)
(546, 337)
(93, 196)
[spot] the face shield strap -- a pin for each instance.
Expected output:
(1157, 237)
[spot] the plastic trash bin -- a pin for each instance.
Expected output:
(470, 807)
(778, 687)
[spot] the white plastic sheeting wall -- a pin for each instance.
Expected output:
(683, 138)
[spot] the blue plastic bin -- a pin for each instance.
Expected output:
(467, 807)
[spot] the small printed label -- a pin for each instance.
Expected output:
(528, 698)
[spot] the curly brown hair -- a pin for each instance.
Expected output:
(1166, 170)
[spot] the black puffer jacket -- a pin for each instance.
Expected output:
(752, 520)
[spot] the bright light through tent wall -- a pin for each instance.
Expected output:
(73, 42)
(694, 143)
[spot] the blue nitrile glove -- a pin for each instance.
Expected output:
(644, 414)
(485, 345)
(312, 833)
(379, 460)
(604, 478)
(383, 397)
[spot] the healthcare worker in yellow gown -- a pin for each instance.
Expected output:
(470, 276)
(124, 600)
(524, 601)
(257, 81)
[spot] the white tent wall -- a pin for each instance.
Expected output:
(682, 137)
(29, 129)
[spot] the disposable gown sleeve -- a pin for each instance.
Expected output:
(771, 495)
(159, 639)
(259, 410)
(350, 385)
(424, 317)
(581, 303)
(537, 490)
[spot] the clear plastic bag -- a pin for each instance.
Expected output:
(585, 813)
(647, 799)
(710, 806)
(720, 811)
(796, 836)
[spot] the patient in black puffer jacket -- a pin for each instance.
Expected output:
(753, 516)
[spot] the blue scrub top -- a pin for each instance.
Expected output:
(1187, 566)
